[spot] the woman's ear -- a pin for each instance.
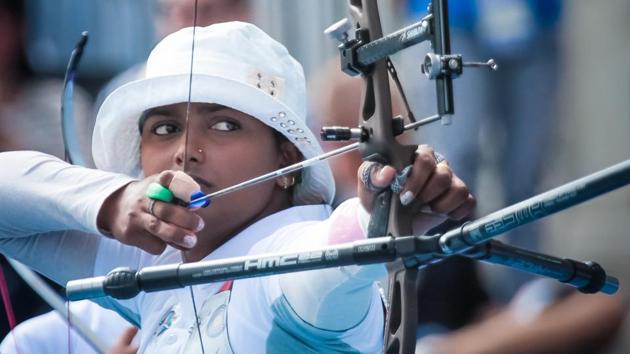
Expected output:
(289, 154)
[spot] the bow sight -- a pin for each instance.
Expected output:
(358, 54)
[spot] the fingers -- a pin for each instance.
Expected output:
(456, 202)
(373, 177)
(464, 210)
(421, 172)
(168, 233)
(152, 232)
(128, 226)
(439, 183)
(165, 178)
(382, 176)
(142, 239)
(128, 335)
(174, 224)
(179, 183)
(124, 343)
(177, 215)
(150, 224)
(183, 186)
(432, 183)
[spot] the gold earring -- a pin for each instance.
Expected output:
(287, 182)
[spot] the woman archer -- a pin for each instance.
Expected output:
(246, 118)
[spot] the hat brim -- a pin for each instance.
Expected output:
(117, 121)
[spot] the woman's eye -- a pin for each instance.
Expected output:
(225, 125)
(165, 129)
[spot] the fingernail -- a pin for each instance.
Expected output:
(190, 241)
(406, 198)
(381, 173)
(201, 225)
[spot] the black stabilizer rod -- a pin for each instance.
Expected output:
(124, 283)
(587, 277)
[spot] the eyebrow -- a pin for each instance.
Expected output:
(160, 112)
(169, 112)
(211, 108)
(154, 112)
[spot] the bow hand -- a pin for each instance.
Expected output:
(428, 186)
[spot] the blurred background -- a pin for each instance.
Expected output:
(557, 109)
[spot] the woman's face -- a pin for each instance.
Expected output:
(224, 147)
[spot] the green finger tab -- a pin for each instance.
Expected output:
(159, 192)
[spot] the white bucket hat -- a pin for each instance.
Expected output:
(235, 64)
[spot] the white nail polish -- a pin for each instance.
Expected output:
(406, 198)
(201, 225)
(190, 241)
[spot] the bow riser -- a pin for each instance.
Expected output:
(388, 217)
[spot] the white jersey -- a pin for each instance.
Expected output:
(323, 311)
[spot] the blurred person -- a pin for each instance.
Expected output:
(30, 105)
(174, 15)
(456, 313)
(544, 317)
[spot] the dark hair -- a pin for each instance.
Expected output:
(143, 118)
(280, 138)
